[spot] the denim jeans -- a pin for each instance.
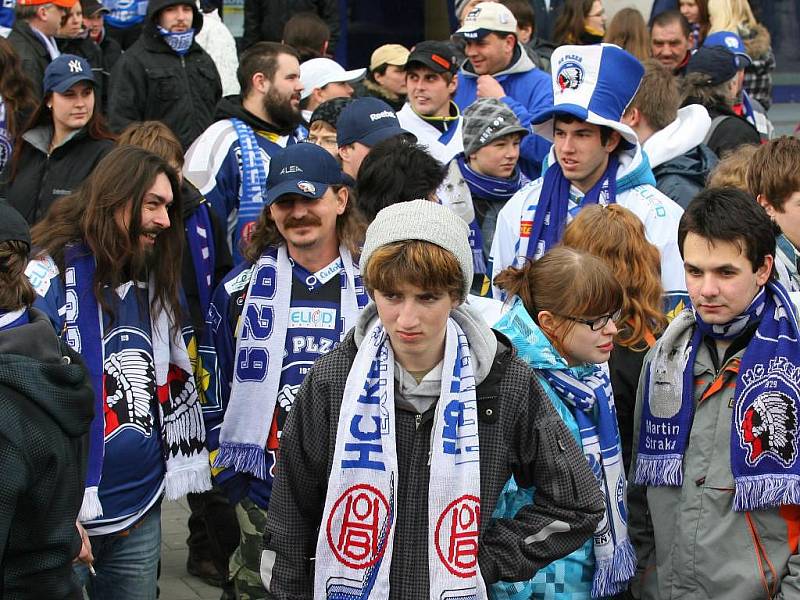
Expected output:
(126, 563)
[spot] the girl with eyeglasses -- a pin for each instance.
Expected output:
(616, 236)
(561, 319)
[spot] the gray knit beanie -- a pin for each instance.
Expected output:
(485, 120)
(421, 220)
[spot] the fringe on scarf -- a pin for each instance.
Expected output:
(659, 470)
(611, 575)
(190, 480)
(763, 491)
(244, 458)
(90, 507)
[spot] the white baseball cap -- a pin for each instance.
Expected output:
(319, 72)
(485, 18)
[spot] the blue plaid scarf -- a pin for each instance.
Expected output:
(764, 432)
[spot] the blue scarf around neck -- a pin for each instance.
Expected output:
(764, 432)
(497, 189)
(180, 42)
(551, 211)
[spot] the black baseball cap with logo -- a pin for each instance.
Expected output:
(437, 56)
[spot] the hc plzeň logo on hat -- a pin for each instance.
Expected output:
(307, 187)
(301, 170)
(594, 84)
(570, 75)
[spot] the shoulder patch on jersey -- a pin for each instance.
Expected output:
(240, 282)
(40, 271)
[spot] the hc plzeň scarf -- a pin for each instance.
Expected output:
(491, 188)
(180, 42)
(551, 211)
(764, 431)
(356, 539)
(259, 354)
(254, 182)
(180, 417)
(198, 234)
(591, 401)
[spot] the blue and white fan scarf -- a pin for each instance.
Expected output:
(355, 543)
(764, 431)
(591, 401)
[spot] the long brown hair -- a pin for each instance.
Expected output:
(350, 229)
(15, 87)
(616, 236)
(629, 31)
(566, 282)
(118, 185)
(96, 128)
(16, 290)
(571, 22)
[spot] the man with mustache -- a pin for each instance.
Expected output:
(166, 76)
(107, 275)
(229, 162)
(293, 298)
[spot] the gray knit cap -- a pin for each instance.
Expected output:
(421, 220)
(485, 120)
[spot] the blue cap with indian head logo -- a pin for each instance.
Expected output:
(304, 169)
(594, 84)
(65, 71)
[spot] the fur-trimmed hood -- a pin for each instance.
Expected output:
(757, 41)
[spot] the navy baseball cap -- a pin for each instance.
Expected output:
(369, 121)
(733, 42)
(305, 169)
(65, 71)
(717, 62)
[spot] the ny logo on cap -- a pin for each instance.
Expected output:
(75, 66)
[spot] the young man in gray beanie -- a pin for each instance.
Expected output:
(482, 178)
(405, 434)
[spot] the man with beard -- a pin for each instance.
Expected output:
(166, 76)
(291, 300)
(107, 276)
(229, 162)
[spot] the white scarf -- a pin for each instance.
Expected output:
(259, 357)
(356, 539)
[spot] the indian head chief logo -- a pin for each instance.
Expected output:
(766, 415)
(769, 427)
(570, 75)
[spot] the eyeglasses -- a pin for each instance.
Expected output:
(598, 323)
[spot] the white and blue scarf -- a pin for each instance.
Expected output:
(259, 354)
(764, 431)
(179, 411)
(180, 42)
(356, 538)
(591, 401)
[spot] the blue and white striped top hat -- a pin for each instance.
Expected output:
(594, 84)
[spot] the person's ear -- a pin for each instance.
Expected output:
(632, 117)
(260, 83)
(342, 196)
(614, 140)
(763, 272)
(453, 85)
(768, 208)
(547, 321)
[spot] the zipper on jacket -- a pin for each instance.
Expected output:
(417, 420)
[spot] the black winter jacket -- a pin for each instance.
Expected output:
(264, 19)
(520, 433)
(47, 405)
(152, 82)
(32, 53)
(41, 178)
(683, 177)
(730, 133)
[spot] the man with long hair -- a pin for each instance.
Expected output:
(107, 274)
(292, 300)
(229, 162)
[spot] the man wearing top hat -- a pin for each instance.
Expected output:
(497, 66)
(595, 159)
(290, 301)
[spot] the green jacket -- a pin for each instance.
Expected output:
(690, 542)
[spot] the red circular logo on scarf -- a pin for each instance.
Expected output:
(457, 536)
(358, 526)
